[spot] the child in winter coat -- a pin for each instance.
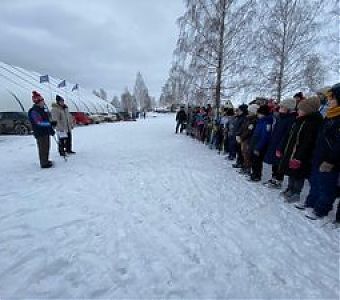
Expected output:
(227, 120)
(245, 137)
(282, 125)
(326, 161)
(181, 119)
(240, 119)
(297, 156)
(200, 121)
(190, 116)
(260, 141)
(231, 136)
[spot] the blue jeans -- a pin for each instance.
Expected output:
(323, 191)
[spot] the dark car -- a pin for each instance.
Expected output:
(15, 123)
(125, 116)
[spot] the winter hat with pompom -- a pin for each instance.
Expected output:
(36, 97)
(289, 103)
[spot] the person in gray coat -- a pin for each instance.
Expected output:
(64, 125)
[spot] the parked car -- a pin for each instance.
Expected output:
(108, 117)
(125, 116)
(81, 118)
(15, 122)
(96, 118)
(162, 110)
(118, 117)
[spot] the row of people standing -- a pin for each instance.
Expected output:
(45, 124)
(300, 139)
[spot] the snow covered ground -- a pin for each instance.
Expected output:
(140, 212)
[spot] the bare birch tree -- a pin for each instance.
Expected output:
(141, 93)
(116, 103)
(314, 73)
(211, 54)
(286, 40)
(127, 101)
(333, 42)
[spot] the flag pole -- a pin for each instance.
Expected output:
(49, 87)
(66, 93)
(78, 94)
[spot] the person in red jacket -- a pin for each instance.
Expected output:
(42, 128)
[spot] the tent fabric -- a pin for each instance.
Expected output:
(17, 84)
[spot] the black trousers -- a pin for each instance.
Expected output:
(295, 184)
(239, 155)
(276, 174)
(69, 142)
(43, 143)
(257, 165)
(62, 146)
(181, 126)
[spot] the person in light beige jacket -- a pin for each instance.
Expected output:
(64, 126)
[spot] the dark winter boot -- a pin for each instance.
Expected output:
(313, 215)
(237, 165)
(244, 171)
(254, 178)
(337, 217)
(275, 184)
(286, 193)
(48, 165)
(269, 182)
(293, 198)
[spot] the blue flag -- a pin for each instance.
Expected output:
(75, 87)
(44, 78)
(62, 84)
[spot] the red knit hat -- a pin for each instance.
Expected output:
(36, 97)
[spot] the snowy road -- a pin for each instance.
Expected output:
(140, 212)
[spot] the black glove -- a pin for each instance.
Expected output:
(52, 131)
(54, 123)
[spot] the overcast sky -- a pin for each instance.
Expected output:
(96, 43)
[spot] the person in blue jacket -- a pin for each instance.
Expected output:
(260, 141)
(282, 125)
(326, 161)
(42, 128)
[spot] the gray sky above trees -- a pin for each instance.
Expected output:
(100, 43)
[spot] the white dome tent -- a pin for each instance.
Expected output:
(17, 84)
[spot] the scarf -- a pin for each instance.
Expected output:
(333, 112)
